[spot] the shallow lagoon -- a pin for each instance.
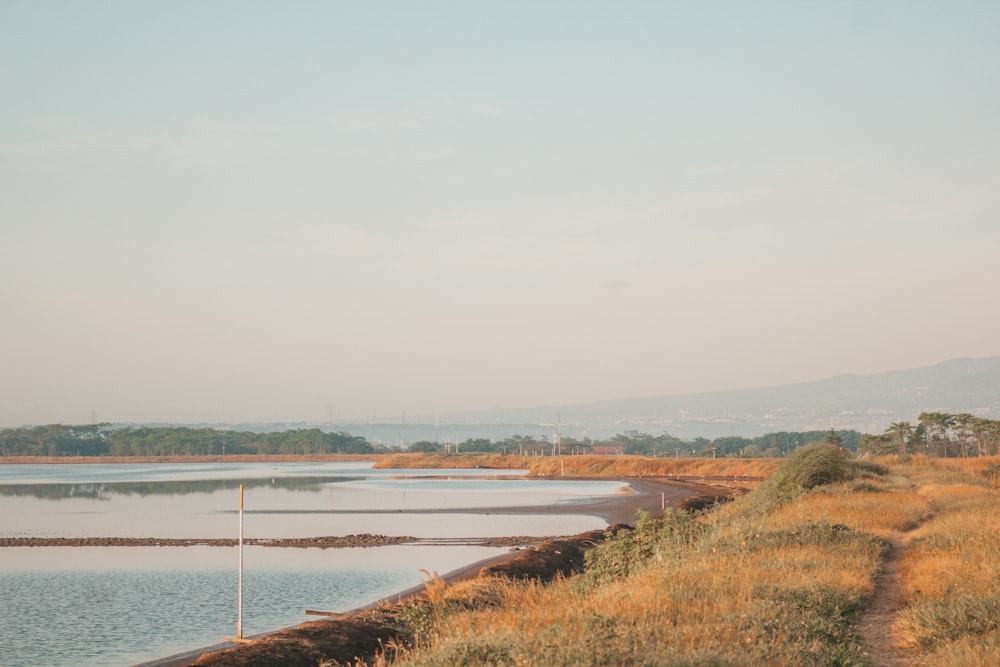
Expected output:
(121, 605)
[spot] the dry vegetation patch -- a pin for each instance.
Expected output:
(879, 512)
(952, 593)
(780, 576)
(727, 587)
(809, 565)
(641, 466)
(592, 466)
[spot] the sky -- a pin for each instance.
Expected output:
(256, 211)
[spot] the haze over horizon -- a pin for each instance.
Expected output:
(251, 212)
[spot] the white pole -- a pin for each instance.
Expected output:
(239, 595)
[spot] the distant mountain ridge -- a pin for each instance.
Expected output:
(868, 403)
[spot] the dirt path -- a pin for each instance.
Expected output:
(876, 626)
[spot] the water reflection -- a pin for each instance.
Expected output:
(140, 604)
(105, 606)
(283, 501)
(105, 490)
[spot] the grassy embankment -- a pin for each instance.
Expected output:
(780, 576)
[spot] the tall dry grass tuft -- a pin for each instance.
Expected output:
(434, 586)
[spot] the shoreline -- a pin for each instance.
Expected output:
(648, 494)
(470, 571)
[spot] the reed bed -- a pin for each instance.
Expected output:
(641, 466)
(591, 466)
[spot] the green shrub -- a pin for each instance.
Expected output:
(626, 551)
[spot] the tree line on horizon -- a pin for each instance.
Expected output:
(58, 440)
(103, 440)
(644, 444)
(935, 434)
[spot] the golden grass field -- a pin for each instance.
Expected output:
(615, 467)
(768, 579)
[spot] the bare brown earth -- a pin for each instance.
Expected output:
(876, 625)
(363, 632)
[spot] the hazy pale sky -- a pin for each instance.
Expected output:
(262, 211)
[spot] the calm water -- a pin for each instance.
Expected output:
(120, 606)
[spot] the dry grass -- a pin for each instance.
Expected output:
(640, 466)
(777, 577)
(709, 612)
(591, 466)
(730, 588)
(970, 465)
(951, 587)
(775, 567)
(880, 512)
(970, 651)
